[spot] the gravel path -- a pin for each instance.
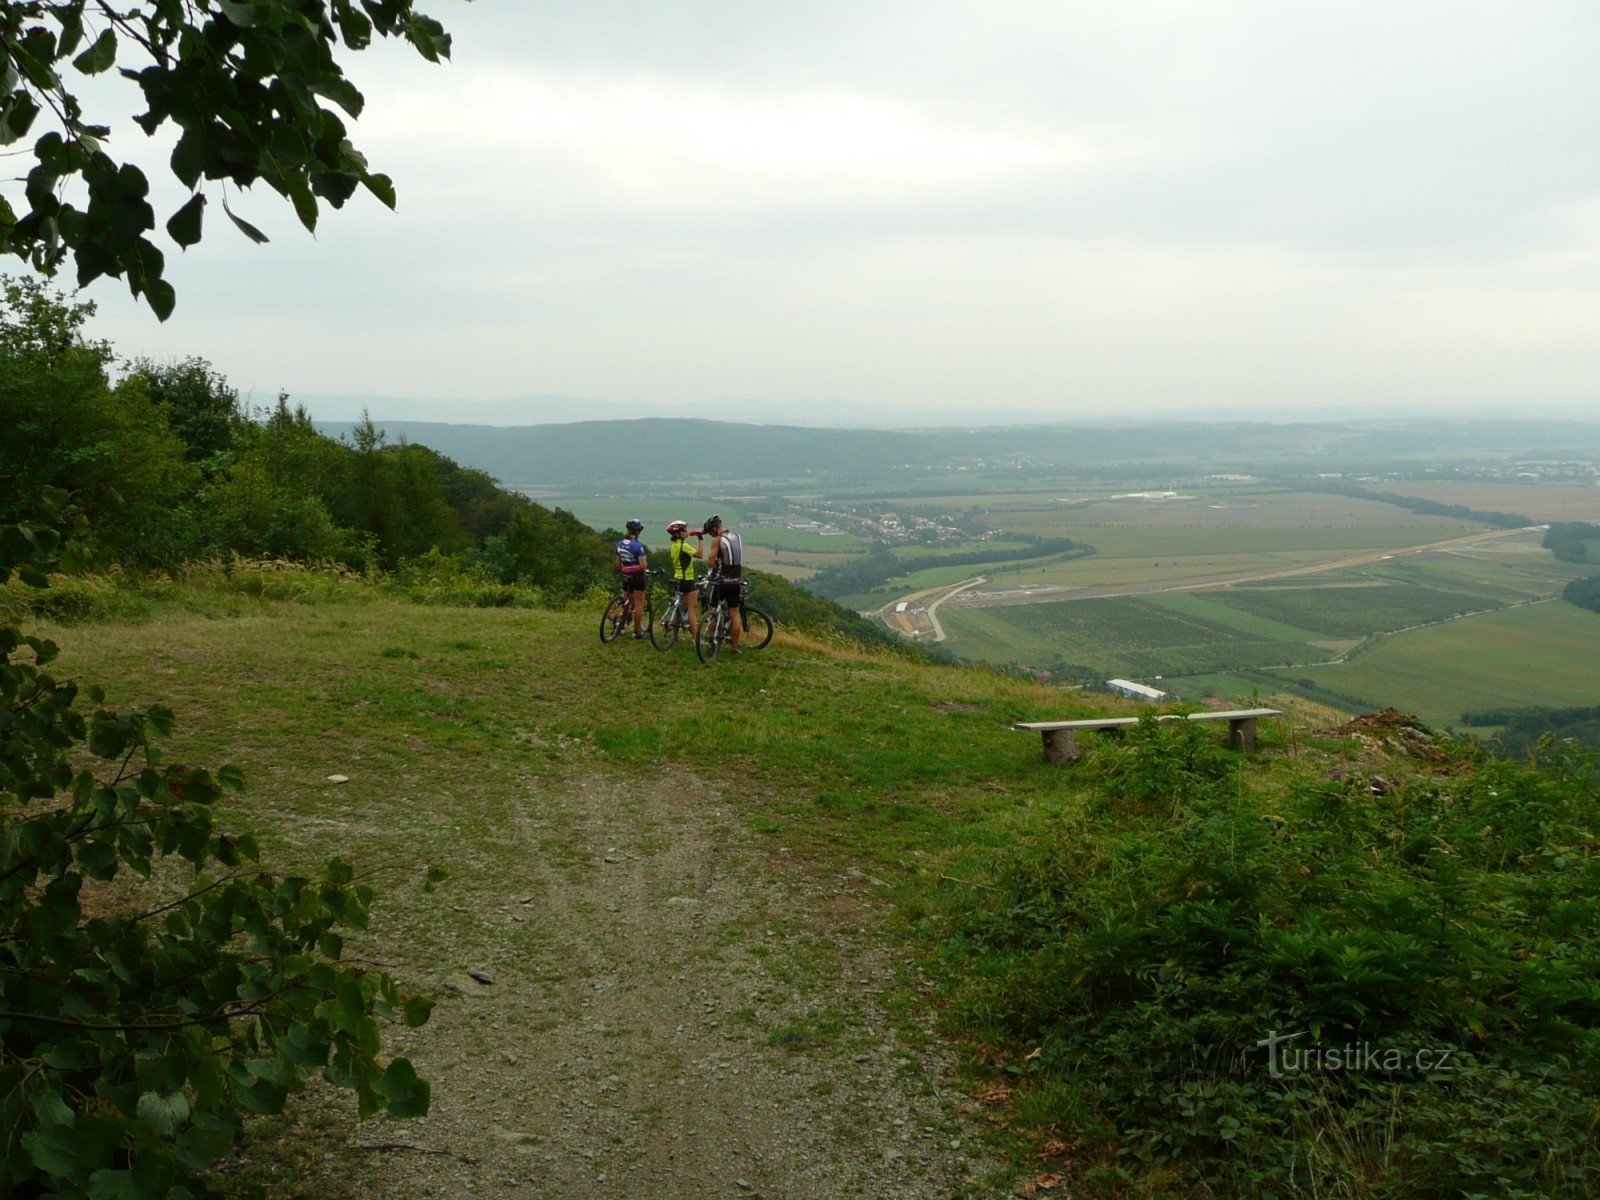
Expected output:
(702, 1017)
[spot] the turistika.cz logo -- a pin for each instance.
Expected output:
(1285, 1060)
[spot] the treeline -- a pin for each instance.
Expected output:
(1417, 504)
(1522, 729)
(167, 467)
(879, 564)
(1573, 541)
(1585, 593)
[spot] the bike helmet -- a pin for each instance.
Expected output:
(712, 523)
(678, 527)
(635, 526)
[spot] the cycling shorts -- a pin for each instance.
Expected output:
(636, 583)
(687, 587)
(729, 591)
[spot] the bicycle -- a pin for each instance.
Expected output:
(674, 620)
(716, 626)
(619, 615)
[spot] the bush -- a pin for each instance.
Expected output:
(1154, 947)
(138, 1031)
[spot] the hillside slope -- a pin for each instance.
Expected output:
(724, 911)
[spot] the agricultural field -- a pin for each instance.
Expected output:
(1514, 657)
(1217, 590)
(1131, 636)
(1541, 501)
(1222, 640)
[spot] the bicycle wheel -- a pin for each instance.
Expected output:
(713, 627)
(665, 631)
(616, 616)
(757, 629)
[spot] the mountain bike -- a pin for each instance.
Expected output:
(674, 620)
(618, 617)
(716, 626)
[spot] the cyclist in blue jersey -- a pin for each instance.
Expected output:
(634, 566)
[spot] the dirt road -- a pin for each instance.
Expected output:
(1040, 595)
(702, 1018)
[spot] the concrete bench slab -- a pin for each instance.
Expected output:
(1061, 743)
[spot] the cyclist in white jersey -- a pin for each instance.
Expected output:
(727, 570)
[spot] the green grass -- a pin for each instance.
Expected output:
(847, 759)
(1539, 654)
(1352, 612)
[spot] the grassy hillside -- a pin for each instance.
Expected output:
(1108, 942)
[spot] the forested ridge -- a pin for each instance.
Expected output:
(166, 467)
(584, 452)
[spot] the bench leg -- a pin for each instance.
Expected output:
(1060, 747)
(1242, 734)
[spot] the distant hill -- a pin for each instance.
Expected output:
(661, 450)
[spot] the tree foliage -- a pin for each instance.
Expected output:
(254, 89)
(1585, 593)
(1573, 541)
(202, 409)
(62, 426)
(136, 1036)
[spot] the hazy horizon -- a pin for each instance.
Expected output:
(546, 410)
(918, 208)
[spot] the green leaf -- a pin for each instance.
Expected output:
(99, 56)
(243, 15)
(341, 91)
(382, 187)
(163, 1112)
(52, 1110)
(161, 297)
(97, 859)
(305, 204)
(249, 230)
(407, 1094)
(416, 1009)
(184, 225)
(122, 1185)
(17, 117)
(77, 1152)
(189, 158)
(206, 1140)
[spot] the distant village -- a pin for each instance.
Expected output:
(888, 527)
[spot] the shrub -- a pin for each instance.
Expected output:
(1152, 950)
(137, 1034)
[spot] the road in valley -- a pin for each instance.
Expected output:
(919, 616)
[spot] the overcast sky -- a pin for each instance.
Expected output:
(1073, 208)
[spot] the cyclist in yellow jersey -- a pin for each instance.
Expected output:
(680, 560)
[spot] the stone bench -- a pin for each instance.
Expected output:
(1061, 743)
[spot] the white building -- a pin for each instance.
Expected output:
(1136, 691)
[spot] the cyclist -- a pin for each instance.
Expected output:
(634, 566)
(680, 559)
(727, 566)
